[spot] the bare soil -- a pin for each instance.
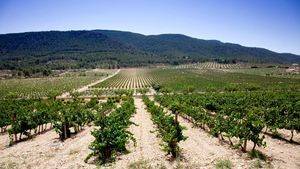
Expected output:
(200, 150)
(147, 146)
(47, 151)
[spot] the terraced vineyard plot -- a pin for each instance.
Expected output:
(212, 65)
(129, 79)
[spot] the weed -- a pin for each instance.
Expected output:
(224, 164)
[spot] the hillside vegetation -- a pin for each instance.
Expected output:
(113, 49)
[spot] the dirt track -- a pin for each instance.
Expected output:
(46, 151)
(147, 144)
(86, 87)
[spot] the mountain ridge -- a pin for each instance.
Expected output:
(215, 40)
(111, 48)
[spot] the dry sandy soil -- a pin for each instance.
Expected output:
(147, 146)
(200, 150)
(46, 151)
(281, 154)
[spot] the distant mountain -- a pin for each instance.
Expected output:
(106, 48)
(177, 45)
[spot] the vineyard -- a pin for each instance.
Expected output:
(212, 65)
(48, 87)
(164, 117)
(274, 72)
(30, 117)
(239, 115)
(187, 80)
(129, 79)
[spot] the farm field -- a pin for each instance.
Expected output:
(187, 118)
(274, 72)
(212, 65)
(217, 80)
(49, 86)
(129, 79)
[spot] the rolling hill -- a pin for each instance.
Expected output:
(110, 49)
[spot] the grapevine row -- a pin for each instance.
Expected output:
(240, 115)
(211, 65)
(129, 79)
(111, 134)
(26, 115)
(169, 129)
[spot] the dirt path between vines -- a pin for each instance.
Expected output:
(86, 87)
(284, 155)
(147, 147)
(4, 140)
(203, 151)
(281, 153)
(46, 151)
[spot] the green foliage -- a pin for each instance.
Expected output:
(111, 135)
(35, 88)
(142, 91)
(224, 164)
(72, 114)
(156, 87)
(241, 115)
(257, 154)
(177, 48)
(67, 50)
(197, 80)
(124, 92)
(26, 115)
(169, 129)
(137, 78)
(92, 103)
(112, 49)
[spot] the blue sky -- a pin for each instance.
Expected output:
(272, 24)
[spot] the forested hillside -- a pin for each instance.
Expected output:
(111, 49)
(185, 48)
